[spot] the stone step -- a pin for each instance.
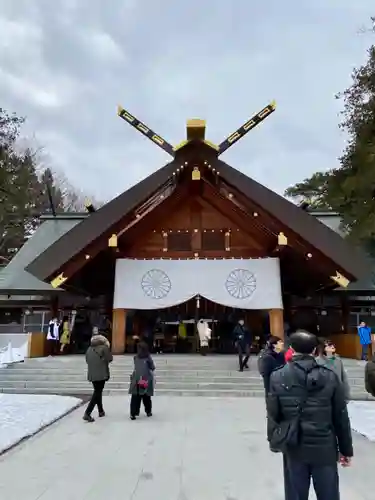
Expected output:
(206, 377)
(165, 377)
(180, 375)
(19, 367)
(125, 385)
(122, 392)
(164, 392)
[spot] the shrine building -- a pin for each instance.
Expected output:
(197, 238)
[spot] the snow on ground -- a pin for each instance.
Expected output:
(362, 418)
(22, 415)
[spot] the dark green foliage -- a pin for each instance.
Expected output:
(350, 187)
(23, 189)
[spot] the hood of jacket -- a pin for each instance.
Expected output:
(97, 340)
(307, 373)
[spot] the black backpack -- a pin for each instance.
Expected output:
(260, 361)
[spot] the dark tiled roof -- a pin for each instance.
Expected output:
(14, 278)
(352, 260)
(97, 223)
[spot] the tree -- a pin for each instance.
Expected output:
(25, 184)
(19, 200)
(73, 199)
(313, 191)
(350, 188)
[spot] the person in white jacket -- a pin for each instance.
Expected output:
(53, 335)
(204, 332)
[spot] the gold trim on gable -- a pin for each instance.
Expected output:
(340, 280)
(58, 281)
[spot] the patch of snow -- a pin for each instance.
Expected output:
(10, 355)
(362, 418)
(22, 415)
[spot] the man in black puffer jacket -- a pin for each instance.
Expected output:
(305, 392)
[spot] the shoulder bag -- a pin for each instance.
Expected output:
(286, 434)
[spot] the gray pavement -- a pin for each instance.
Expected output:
(191, 449)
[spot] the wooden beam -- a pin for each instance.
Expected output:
(276, 317)
(133, 253)
(92, 250)
(243, 221)
(162, 211)
(196, 225)
(294, 239)
(257, 241)
(253, 215)
(118, 331)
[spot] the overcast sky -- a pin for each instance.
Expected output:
(66, 64)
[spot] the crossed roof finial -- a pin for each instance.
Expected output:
(196, 130)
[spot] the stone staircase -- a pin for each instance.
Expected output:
(179, 375)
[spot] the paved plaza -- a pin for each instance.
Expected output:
(192, 449)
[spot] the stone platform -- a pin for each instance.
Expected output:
(191, 449)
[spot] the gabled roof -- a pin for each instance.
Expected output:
(97, 223)
(352, 261)
(14, 278)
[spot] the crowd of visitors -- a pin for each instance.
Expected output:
(306, 390)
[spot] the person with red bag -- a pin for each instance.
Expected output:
(142, 381)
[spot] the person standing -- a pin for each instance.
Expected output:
(142, 381)
(204, 333)
(53, 337)
(242, 338)
(272, 358)
(330, 359)
(364, 333)
(98, 358)
(65, 334)
(308, 421)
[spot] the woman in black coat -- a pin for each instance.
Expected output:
(142, 381)
(272, 358)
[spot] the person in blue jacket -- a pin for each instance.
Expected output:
(364, 333)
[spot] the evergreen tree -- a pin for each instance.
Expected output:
(25, 187)
(350, 188)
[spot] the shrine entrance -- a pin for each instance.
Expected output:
(173, 329)
(163, 300)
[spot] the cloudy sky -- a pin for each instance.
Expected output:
(66, 64)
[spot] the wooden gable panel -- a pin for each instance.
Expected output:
(196, 219)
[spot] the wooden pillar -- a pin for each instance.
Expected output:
(345, 311)
(276, 317)
(118, 331)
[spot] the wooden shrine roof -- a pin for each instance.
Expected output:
(350, 260)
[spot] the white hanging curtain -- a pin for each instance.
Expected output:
(156, 284)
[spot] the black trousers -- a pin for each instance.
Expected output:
(135, 404)
(52, 347)
(243, 354)
(325, 481)
(96, 398)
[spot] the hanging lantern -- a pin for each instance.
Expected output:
(196, 174)
(282, 240)
(112, 242)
